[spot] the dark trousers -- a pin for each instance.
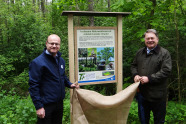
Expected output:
(141, 114)
(145, 107)
(53, 113)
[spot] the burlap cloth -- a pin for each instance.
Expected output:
(90, 107)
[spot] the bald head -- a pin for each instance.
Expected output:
(53, 44)
(52, 36)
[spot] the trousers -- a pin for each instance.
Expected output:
(145, 107)
(53, 113)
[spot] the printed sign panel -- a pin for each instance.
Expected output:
(96, 54)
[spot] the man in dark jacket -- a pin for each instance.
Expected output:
(47, 81)
(151, 66)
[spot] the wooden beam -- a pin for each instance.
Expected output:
(94, 13)
(120, 54)
(71, 47)
(71, 54)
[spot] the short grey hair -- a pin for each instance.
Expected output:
(151, 31)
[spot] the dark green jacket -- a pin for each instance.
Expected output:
(156, 66)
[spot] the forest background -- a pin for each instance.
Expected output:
(25, 25)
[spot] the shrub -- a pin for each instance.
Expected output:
(176, 113)
(66, 111)
(15, 110)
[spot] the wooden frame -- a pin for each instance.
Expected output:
(119, 16)
(71, 44)
(108, 79)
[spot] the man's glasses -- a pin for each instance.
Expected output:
(57, 44)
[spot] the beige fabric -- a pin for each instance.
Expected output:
(90, 107)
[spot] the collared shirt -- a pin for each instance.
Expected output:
(51, 55)
(148, 50)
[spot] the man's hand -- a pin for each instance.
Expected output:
(137, 78)
(144, 79)
(75, 85)
(40, 113)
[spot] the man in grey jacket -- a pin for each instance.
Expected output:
(151, 66)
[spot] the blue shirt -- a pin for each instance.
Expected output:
(51, 55)
(148, 50)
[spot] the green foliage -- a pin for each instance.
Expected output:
(23, 33)
(15, 110)
(66, 108)
(91, 67)
(105, 54)
(21, 82)
(125, 85)
(176, 113)
(24, 29)
(66, 111)
(5, 66)
(133, 114)
(104, 89)
(167, 17)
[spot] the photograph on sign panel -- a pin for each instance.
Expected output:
(96, 59)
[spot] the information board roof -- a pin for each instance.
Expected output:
(94, 13)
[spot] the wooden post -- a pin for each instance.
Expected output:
(71, 55)
(71, 47)
(120, 54)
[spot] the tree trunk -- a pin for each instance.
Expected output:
(53, 11)
(33, 5)
(77, 18)
(91, 8)
(108, 5)
(39, 5)
(177, 52)
(6, 23)
(34, 2)
(12, 1)
(43, 7)
(152, 13)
